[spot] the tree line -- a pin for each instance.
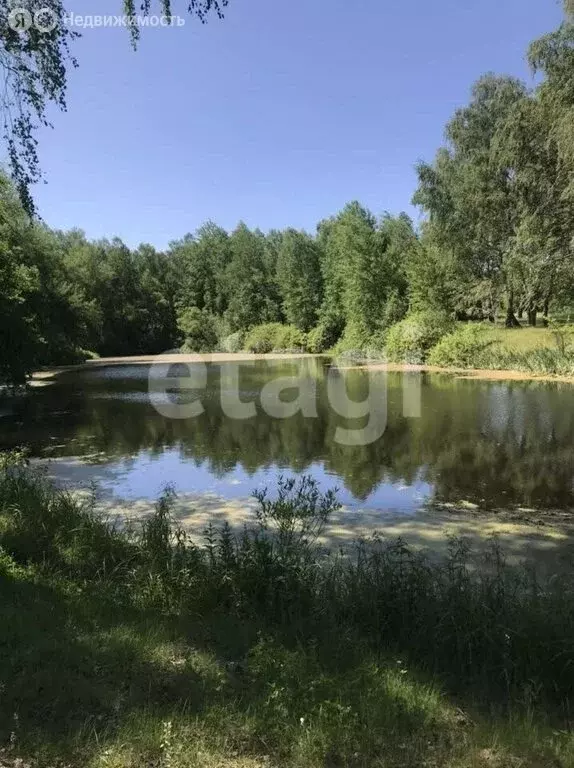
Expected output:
(64, 296)
(497, 236)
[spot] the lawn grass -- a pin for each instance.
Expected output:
(129, 649)
(538, 351)
(524, 339)
(535, 350)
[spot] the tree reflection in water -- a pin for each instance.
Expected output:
(495, 443)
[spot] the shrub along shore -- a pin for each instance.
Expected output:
(138, 648)
(438, 342)
(435, 344)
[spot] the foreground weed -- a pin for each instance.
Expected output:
(120, 650)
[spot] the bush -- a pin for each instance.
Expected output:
(324, 336)
(290, 338)
(464, 348)
(43, 526)
(88, 354)
(411, 340)
(317, 340)
(274, 337)
(233, 343)
(222, 329)
(377, 343)
(355, 340)
(199, 330)
(261, 338)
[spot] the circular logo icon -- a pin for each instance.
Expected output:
(20, 19)
(45, 20)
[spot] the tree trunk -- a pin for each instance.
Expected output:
(545, 312)
(532, 317)
(511, 321)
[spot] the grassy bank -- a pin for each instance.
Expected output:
(434, 339)
(136, 648)
(427, 338)
(537, 351)
(480, 346)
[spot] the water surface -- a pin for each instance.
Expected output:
(488, 442)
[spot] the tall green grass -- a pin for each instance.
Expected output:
(545, 360)
(537, 351)
(138, 648)
(546, 352)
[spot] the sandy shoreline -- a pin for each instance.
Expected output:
(42, 378)
(467, 373)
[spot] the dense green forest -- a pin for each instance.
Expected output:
(497, 236)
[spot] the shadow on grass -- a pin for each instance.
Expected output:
(78, 669)
(68, 660)
(120, 652)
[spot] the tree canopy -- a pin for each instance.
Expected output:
(497, 237)
(499, 195)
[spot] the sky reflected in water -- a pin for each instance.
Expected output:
(489, 442)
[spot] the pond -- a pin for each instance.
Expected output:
(492, 443)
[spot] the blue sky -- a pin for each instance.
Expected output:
(278, 115)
